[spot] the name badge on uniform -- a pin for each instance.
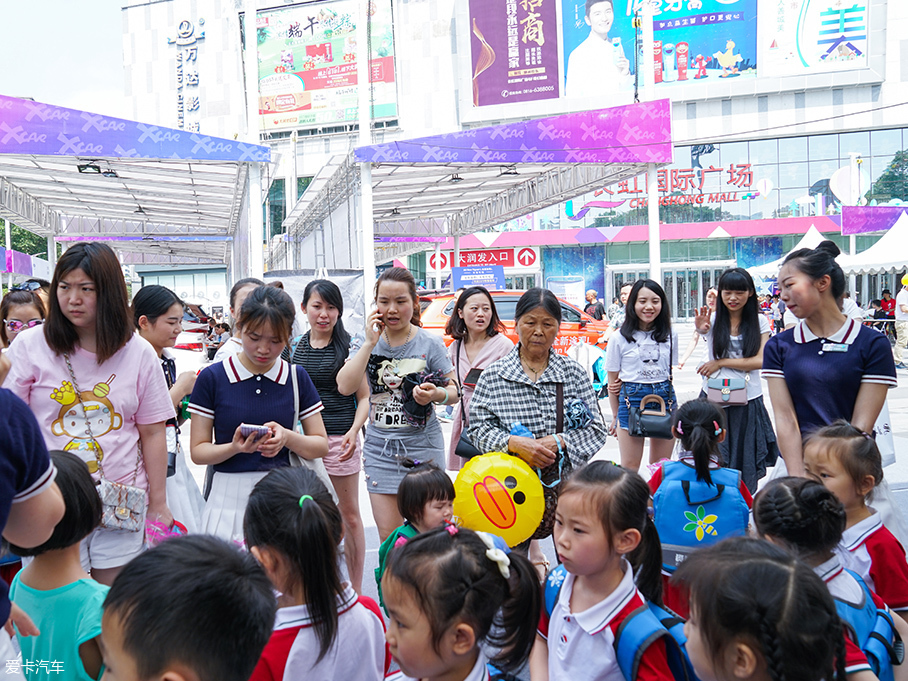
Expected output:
(835, 347)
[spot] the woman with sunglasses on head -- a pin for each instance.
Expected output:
(98, 391)
(20, 309)
(479, 340)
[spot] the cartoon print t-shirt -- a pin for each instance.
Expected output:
(126, 390)
(643, 360)
(386, 370)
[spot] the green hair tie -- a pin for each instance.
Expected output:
(304, 498)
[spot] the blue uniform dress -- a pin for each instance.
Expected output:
(824, 375)
(230, 394)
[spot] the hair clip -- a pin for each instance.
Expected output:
(678, 427)
(650, 512)
(304, 498)
(867, 435)
(496, 555)
(452, 529)
(718, 429)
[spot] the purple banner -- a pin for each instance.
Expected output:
(28, 127)
(635, 133)
(514, 47)
(18, 263)
(863, 219)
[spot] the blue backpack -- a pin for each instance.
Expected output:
(637, 632)
(690, 513)
(873, 631)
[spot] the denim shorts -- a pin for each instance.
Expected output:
(634, 392)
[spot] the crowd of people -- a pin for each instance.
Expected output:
(133, 572)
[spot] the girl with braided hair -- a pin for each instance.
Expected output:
(848, 463)
(803, 516)
(759, 613)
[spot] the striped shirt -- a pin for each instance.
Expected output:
(230, 394)
(824, 375)
(340, 410)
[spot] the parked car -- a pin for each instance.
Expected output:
(575, 323)
(195, 328)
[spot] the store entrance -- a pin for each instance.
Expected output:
(686, 287)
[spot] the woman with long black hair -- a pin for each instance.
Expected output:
(735, 337)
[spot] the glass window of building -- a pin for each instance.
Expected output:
(764, 152)
(793, 149)
(822, 147)
(884, 142)
(854, 142)
(733, 152)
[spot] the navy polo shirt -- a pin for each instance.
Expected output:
(824, 375)
(230, 394)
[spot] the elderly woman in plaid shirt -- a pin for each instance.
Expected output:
(522, 387)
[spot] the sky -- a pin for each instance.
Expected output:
(64, 52)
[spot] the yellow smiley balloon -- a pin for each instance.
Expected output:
(499, 494)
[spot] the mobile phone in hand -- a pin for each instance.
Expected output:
(247, 429)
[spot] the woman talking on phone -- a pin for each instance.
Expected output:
(409, 372)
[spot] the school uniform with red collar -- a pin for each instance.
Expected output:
(359, 650)
(844, 587)
(480, 672)
(824, 375)
(872, 552)
(582, 645)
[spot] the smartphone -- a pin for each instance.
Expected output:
(472, 377)
(247, 429)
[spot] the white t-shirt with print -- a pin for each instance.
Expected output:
(643, 360)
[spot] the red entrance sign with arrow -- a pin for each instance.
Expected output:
(526, 257)
(442, 261)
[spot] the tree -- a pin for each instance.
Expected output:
(893, 182)
(26, 242)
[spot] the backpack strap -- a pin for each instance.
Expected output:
(553, 584)
(637, 632)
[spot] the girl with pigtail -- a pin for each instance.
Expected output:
(444, 589)
(757, 613)
(323, 629)
(803, 516)
(610, 550)
(696, 502)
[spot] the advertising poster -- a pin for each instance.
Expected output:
(307, 64)
(514, 50)
(809, 36)
(695, 40)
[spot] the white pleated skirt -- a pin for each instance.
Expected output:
(184, 499)
(226, 505)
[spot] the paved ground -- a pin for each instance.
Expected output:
(687, 386)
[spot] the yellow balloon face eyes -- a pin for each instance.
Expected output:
(499, 494)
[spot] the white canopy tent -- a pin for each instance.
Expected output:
(888, 254)
(770, 270)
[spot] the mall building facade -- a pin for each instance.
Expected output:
(783, 113)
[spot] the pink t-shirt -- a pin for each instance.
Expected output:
(127, 389)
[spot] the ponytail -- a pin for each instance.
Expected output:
(621, 499)
(699, 425)
(291, 512)
(452, 574)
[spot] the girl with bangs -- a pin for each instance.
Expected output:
(735, 337)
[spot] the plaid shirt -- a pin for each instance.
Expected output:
(505, 395)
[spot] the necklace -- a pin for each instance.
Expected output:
(406, 342)
(536, 372)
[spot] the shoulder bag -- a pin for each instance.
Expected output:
(657, 423)
(552, 476)
(727, 392)
(317, 466)
(465, 449)
(123, 506)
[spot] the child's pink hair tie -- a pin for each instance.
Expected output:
(718, 429)
(678, 428)
(452, 529)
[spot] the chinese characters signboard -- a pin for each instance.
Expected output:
(514, 47)
(307, 64)
(187, 39)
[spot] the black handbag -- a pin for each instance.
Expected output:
(642, 422)
(655, 423)
(465, 449)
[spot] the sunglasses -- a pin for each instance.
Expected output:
(16, 327)
(26, 286)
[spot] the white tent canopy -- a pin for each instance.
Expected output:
(770, 270)
(888, 254)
